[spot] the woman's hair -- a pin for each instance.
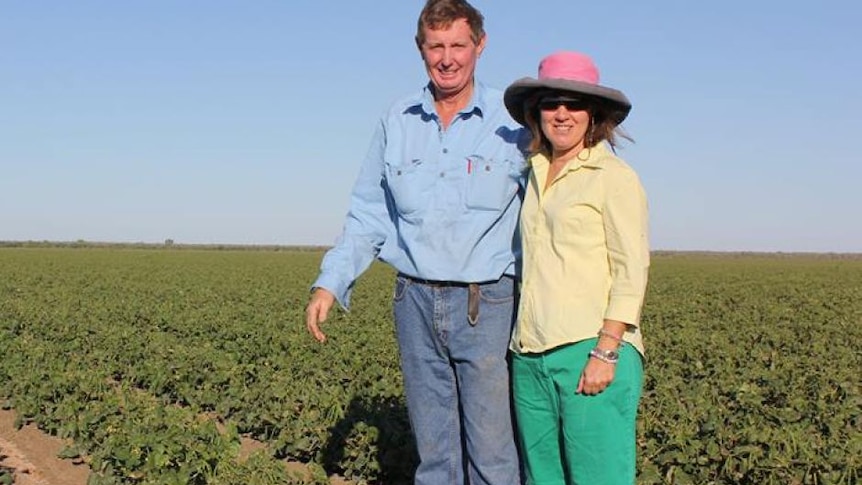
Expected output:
(440, 14)
(602, 126)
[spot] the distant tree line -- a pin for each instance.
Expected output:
(169, 243)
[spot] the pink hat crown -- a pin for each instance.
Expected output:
(572, 66)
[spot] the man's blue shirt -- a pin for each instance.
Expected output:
(435, 204)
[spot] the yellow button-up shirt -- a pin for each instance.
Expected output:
(585, 250)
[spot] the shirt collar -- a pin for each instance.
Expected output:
(425, 101)
(588, 157)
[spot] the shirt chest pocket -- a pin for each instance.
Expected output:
(491, 183)
(410, 185)
(580, 222)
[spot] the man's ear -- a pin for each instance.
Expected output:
(481, 46)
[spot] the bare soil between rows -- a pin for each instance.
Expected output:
(32, 456)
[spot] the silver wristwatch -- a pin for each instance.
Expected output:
(609, 356)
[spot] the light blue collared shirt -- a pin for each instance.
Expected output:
(435, 204)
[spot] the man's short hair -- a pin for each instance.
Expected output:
(440, 14)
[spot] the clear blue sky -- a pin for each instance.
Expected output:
(245, 121)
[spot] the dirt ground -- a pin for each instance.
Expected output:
(32, 455)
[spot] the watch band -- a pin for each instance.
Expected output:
(608, 356)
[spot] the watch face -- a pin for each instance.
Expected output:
(609, 356)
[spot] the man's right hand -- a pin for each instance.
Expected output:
(319, 304)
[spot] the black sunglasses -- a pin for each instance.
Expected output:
(551, 103)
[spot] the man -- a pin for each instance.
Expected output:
(437, 198)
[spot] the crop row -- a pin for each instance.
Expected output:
(155, 362)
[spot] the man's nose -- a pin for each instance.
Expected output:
(447, 56)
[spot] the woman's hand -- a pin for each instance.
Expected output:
(596, 377)
(599, 374)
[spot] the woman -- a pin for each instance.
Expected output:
(577, 363)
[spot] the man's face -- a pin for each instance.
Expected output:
(450, 57)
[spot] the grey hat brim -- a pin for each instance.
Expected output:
(518, 92)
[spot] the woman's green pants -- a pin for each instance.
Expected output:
(575, 439)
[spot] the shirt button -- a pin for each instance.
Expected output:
(445, 150)
(442, 174)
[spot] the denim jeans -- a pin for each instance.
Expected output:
(456, 380)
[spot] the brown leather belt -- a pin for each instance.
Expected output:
(472, 294)
(437, 283)
(473, 303)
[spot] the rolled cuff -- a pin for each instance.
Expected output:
(625, 308)
(341, 291)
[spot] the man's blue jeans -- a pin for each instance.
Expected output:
(456, 379)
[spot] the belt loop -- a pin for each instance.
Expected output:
(473, 303)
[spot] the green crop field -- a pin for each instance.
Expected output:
(155, 362)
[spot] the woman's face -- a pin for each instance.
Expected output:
(564, 121)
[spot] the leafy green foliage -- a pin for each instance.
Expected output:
(6, 474)
(155, 362)
(753, 371)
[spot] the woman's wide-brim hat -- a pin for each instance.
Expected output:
(569, 72)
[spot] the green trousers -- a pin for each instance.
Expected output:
(575, 439)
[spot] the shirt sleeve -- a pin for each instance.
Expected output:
(365, 230)
(627, 238)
